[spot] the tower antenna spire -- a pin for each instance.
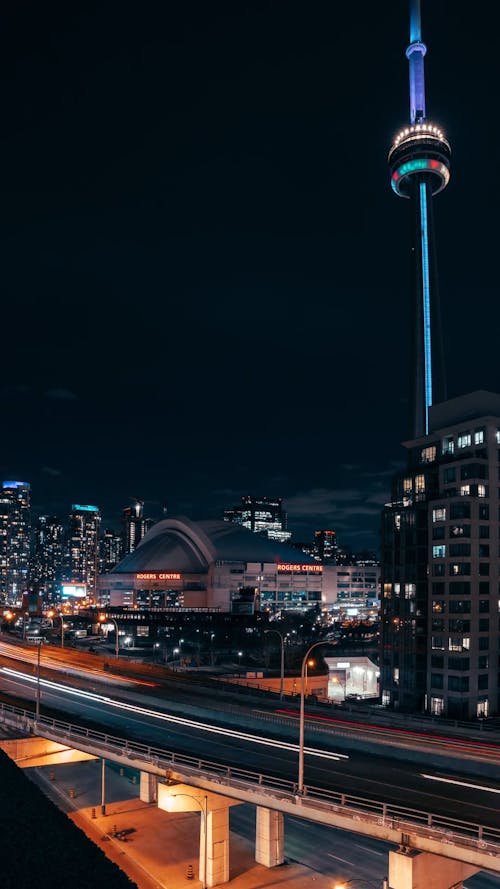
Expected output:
(415, 54)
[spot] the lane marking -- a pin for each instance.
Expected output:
(367, 849)
(461, 783)
(343, 860)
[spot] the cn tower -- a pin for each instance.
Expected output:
(419, 162)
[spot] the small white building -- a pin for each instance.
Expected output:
(352, 676)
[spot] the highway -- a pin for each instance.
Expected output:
(139, 711)
(131, 714)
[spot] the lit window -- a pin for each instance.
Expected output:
(428, 455)
(439, 514)
(479, 436)
(464, 440)
(481, 490)
(498, 436)
(419, 484)
(395, 675)
(410, 590)
(465, 490)
(437, 643)
(407, 485)
(397, 522)
(437, 706)
(448, 446)
(439, 551)
(397, 589)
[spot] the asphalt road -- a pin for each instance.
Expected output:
(372, 777)
(336, 853)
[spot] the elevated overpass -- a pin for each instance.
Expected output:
(424, 839)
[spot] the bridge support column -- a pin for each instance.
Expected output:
(413, 870)
(149, 788)
(269, 837)
(217, 847)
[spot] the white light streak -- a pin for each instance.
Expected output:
(461, 783)
(167, 717)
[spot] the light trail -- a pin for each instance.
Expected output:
(166, 717)
(461, 783)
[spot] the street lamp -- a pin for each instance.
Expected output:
(300, 787)
(117, 640)
(62, 631)
(37, 708)
(282, 667)
(204, 811)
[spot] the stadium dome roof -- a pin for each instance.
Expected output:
(179, 544)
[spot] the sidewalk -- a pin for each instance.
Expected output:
(158, 847)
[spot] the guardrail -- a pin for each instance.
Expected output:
(450, 830)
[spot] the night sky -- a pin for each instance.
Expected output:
(205, 272)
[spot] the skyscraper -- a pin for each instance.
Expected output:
(46, 571)
(82, 547)
(134, 526)
(262, 515)
(419, 162)
(15, 531)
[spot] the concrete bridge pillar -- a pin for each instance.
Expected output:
(149, 788)
(423, 870)
(217, 847)
(269, 837)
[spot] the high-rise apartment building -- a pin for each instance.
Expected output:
(262, 515)
(46, 572)
(440, 566)
(134, 526)
(325, 546)
(82, 547)
(15, 540)
(110, 550)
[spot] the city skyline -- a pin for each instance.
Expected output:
(206, 274)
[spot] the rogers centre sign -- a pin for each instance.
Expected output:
(301, 569)
(156, 576)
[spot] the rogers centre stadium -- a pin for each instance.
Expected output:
(217, 565)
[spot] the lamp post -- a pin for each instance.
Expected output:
(117, 641)
(37, 708)
(103, 786)
(282, 666)
(300, 786)
(204, 811)
(62, 631)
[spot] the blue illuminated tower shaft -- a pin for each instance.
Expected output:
(419, 160)
(427, 382)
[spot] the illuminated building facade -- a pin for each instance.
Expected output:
(419, 162)
(15, 540)
(216, 565)
(82, 547)
(110, 550)
(134, 526)
(440, 577)
(46, 572)
(262, 515)
(325, 545)
(357, 589)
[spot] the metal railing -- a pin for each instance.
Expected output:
(460, 833)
